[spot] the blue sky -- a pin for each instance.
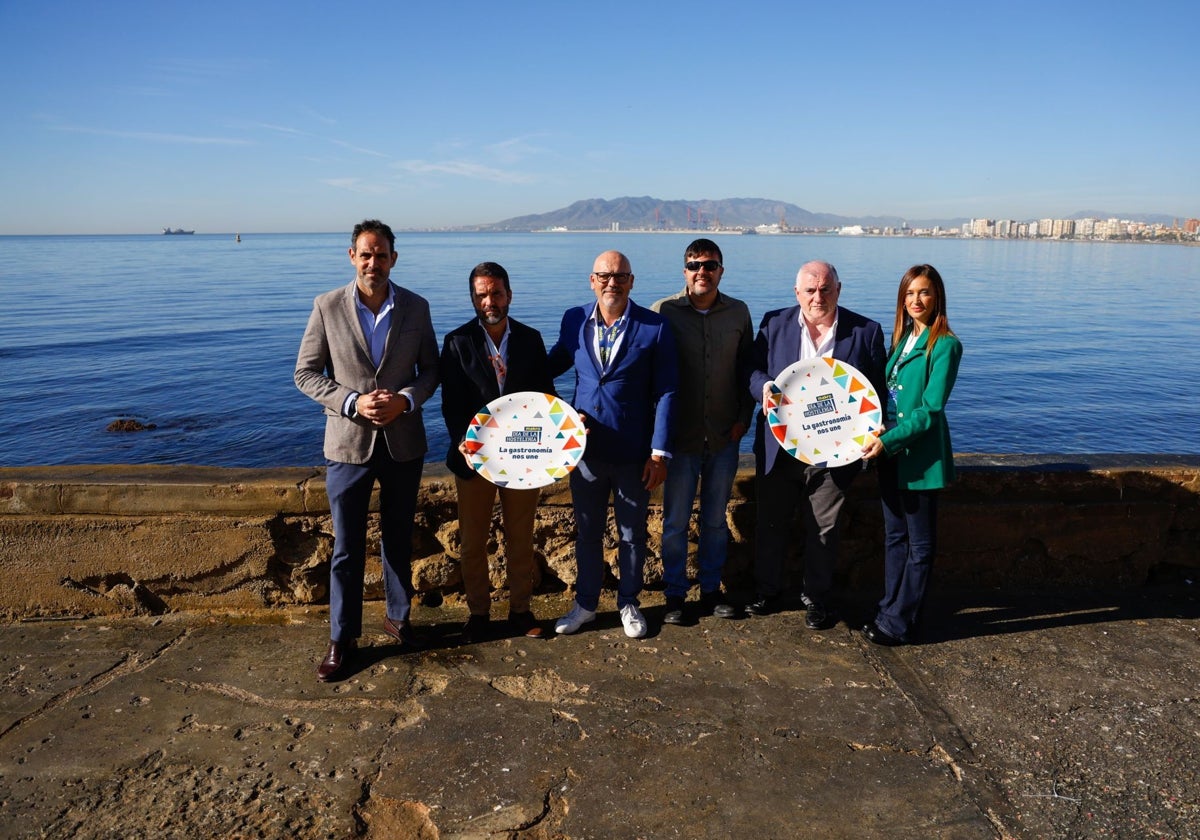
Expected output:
(125, 117)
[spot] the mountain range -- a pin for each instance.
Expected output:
(647, 213)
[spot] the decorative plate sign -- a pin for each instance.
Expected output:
(525, 440)
(822, 410)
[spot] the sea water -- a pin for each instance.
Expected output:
(1070, 347)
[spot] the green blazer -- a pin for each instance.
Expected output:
(920, 440)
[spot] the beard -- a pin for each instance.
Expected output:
(492, 316)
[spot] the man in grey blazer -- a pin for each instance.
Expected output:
(369, 356)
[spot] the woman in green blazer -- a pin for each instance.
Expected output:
(915, 457)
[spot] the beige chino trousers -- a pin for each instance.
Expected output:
(476, 498)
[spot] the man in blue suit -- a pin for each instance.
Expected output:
(815, 327)
(625, 378)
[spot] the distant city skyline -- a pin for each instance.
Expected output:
(764, 215)
(1097, 229)
(128, 117)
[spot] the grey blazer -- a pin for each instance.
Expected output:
(334, 362)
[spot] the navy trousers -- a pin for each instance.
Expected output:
(349, 489)
(593, 483)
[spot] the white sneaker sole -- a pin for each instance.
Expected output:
(566, 629)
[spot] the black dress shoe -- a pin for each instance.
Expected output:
(525, 624)
(338, 655)
(820, 617)
(477, 629)
(402, 632)
(879, 637)
(763, 606)
(714, 603)
(675, 611)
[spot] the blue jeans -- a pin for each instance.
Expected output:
(592, 483)
(714, 472)
(910, 542)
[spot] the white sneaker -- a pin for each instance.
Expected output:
(634, 621)
(573, 620)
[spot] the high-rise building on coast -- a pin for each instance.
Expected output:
(1087, 228)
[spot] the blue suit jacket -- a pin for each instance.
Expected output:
(629, 409)
(859, 341)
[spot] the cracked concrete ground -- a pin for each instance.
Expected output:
(1022, 716)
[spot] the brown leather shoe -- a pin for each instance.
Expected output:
(338, 655)
(525, 623)
(402, 632)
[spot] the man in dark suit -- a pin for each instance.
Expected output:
(816, 327)
(369, 356)
(625, 379)
(486, 357)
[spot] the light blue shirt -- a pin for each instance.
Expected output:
(607, 340)
(375, 327)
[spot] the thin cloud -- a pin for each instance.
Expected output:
(282, 129)
(515, 149)
(464, 169)
(356, 185)
(296, 132)
(154, 136)
(143, 91)
(189, 69)
(358, 149)
(319, 117)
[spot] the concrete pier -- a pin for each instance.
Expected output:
(163, 627)
(121, 540)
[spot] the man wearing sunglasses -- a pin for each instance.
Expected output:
(714, 335)
(625, 379)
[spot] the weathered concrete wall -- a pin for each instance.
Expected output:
(120, 539)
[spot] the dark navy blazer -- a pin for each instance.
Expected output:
(859, 342)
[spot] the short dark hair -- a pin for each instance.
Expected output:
(701, 247)
(488, 269)
(373, 226)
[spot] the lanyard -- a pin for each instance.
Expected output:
(496, 357)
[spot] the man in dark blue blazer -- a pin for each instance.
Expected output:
(816, 327)
(486, 357)
(625, 378)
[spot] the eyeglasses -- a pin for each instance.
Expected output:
(696, 265)
(620, 278)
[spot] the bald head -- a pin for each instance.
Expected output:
(611, 280)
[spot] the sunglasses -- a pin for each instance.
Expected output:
(696, 265)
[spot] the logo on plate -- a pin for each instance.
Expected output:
(530, 434)
(824, 404)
